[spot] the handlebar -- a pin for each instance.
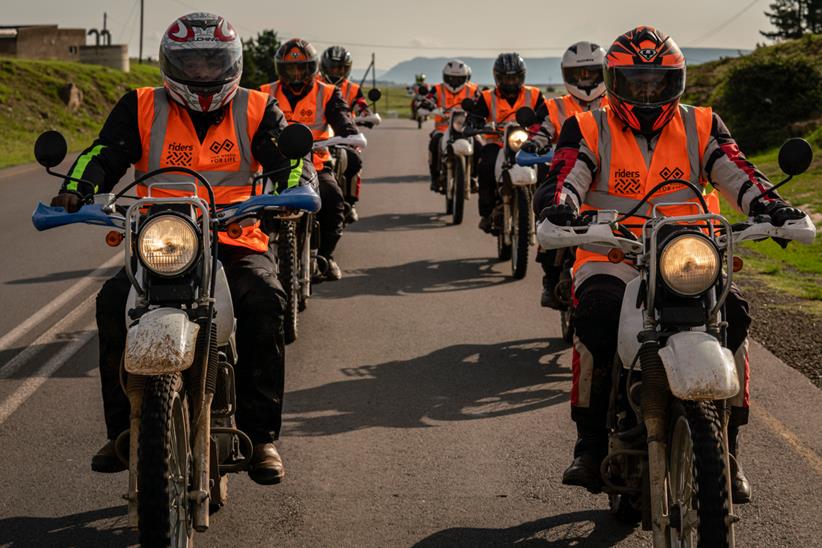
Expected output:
(357, 140)
(528, 159)
(373, 119)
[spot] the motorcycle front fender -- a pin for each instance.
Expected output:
(163, 342)
(463, 147)
(698, 367)
(522, 176)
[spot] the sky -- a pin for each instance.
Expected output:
(397, 31)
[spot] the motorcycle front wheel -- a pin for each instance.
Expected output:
(288, 259)
(521, 237)
(697, 488)
(458, 185)
(164, 466)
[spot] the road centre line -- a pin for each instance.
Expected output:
(55, 334)
(31, 384)
(10, 338)
(778, 427)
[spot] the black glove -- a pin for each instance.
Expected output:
(68, 200)
(778, 211)
(558, 214)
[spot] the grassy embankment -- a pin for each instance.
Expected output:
(30, 102)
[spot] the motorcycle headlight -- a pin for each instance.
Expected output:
(516, 138)
(458, 122)
(168, 245)
(689, 264)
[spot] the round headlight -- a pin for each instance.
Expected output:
(516, 138)
(689, 264)
(458, 121)
(168, 245)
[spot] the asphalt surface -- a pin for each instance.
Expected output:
(427, 397)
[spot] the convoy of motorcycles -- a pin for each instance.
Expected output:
(668, 462)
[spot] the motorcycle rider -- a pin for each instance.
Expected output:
(335, 68)
(200, 119)
(584, 80)
(414, 90)
(455, 87)
(609, 159)
(499, 105)
(304, 99)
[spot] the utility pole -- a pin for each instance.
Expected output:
(140, 60)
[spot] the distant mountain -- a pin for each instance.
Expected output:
(541, 70)
(357, 73)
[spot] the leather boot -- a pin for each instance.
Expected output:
(589, 451)
(549, 296)
(266, 465)
(740, 487)
(106, 460)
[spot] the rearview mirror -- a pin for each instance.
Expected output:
(50, 149)
(295, 141)
(526, 116)
(467, 104)
(374, 95)
(795, 156)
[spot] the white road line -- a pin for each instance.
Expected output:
(31, 384)
(10, 338)
(55, 334)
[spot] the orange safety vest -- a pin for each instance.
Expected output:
(349, 91)
(562, 108)
(310, 110)
(448, 100)
(622, 178)
(168, 139)
(500, 111)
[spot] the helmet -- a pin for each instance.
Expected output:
(645, 77)
(455, 74)
(582, 71)
(419, 78)
(201, 61)
(335, 64)
(509, 73)
(296, 64)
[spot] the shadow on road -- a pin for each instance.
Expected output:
(423, 276)
(460, 382)
(103, 527)
(397, 179)
(392, 222)
(586, 528)
(67, 275)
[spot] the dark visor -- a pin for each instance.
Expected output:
(646, 86)
(202, 67)
(585, 77)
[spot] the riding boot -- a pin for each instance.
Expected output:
(740, 487)
(589, 450)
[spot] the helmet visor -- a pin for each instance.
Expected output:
(454, 81)
(296, 72)
(647, 86)
(585, 77)
(337, 73)
(202, 68)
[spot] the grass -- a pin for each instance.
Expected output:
(30, 102)
(394, 103)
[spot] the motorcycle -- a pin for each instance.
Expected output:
(418, 111)
(339, 162)
(370, 120)
(673, 377)
(180, 348)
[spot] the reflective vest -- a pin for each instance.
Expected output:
(500, 111)
(310, 110)
(447, 100)
(562, 108)
(168, 139)
(349, 91)
(622, 177)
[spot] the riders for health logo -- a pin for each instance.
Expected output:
(626, 181)
(179, 155)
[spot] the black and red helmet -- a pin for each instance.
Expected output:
(296, 63)
(335, 64)
(645, 77)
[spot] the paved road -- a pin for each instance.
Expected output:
(427, 400)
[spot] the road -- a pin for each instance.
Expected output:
(427, 398)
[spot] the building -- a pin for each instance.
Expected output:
(41, 42)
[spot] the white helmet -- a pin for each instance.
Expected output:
(455, 75)
(582, 71)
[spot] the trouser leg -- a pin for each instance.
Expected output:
(332, 213)
(487, 181)
(259, 304)
(434, 158)
(352, 174)
(111, 327)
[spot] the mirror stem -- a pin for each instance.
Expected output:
(773, 188)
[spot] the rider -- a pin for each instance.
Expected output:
(200, 105)
(609, 159)
(499, 106)
(455, 87)
(321, 107)
(583, 77)
(335, 68)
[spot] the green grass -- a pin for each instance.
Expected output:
(395, 101)
(30, 102)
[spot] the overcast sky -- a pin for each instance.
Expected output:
(397, 31)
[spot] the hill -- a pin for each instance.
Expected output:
(30, 102)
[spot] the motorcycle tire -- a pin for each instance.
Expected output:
(503, 249)
(164, 464)
(458, 191)
(695, 434)
(288, 259)
(521, 233)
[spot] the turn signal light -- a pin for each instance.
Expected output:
(234, 231)
(114, 238)
(616, 255)
(738, 263)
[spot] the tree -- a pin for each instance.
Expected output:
(793, 18)
(258, 59)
